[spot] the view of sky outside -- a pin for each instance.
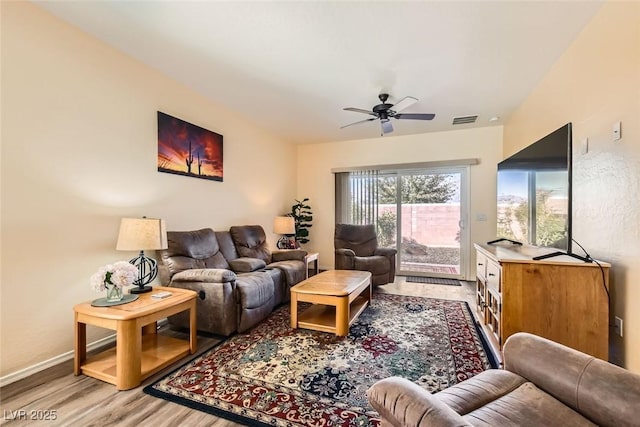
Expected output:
(512, 184)
(551, 206)
(515, 183)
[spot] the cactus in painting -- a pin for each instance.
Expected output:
(189, 159)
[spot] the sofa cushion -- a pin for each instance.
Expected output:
(254, 289)
(255, 296)
(251, 242)
(603, 392)
(212, 275)
(375, 264)
(359, 238)
(246, 265)
(294, 271)
(198, 244)
(280, 287)
(227, 247)
(192, 249)
(477, 391)
(609, 395)
(526, 405)
(288, 255)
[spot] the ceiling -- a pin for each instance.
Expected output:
(292, 66)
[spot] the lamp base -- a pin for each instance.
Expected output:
(283, 243)
(140, 290)
(287, 242)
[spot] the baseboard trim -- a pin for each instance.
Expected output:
(41, 366)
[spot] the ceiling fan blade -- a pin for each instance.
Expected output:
(361, 121)
(360, 110)
(405, 102)
(415, 116)
(387, 127)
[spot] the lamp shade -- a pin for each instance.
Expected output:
(142, 233)
(284, 225)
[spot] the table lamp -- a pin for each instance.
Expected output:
(140, 234)
(284, 225)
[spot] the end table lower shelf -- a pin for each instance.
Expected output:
(157, 353)
(140, 352)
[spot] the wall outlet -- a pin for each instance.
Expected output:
(618, 326)
(617, 131)
(481, 216)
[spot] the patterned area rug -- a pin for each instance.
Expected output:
(274, 375)
(433, 280)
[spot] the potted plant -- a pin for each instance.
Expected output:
(302, 215)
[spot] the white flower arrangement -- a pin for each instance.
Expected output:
(120, 274)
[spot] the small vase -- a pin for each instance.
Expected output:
(114, 293)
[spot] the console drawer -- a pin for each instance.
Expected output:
(493, 276)
(481, 265)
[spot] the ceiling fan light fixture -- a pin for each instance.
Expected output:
(385, 111)
(386, 125)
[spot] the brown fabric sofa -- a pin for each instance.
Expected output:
(238, 279)
(356, 248)
(543, 383)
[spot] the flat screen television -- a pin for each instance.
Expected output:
(534, 193)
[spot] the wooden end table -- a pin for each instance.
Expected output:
(339, 296)
(140, 352)
(315, 258)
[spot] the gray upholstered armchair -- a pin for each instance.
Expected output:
(356, 248)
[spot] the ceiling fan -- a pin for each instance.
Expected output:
(384, 112)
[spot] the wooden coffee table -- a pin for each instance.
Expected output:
(140, 351)
(338, 298)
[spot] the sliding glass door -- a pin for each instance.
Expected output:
(421, 213)
(431, 224)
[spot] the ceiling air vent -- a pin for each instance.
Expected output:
(464, 120)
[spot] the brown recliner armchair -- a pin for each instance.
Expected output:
(356, 248)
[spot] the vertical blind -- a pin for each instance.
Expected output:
(357, 197)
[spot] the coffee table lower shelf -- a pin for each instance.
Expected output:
(322, 318)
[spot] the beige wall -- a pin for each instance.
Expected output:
(316, 181)
(79, 145)
(594, 84)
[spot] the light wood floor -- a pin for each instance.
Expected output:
(84, 401)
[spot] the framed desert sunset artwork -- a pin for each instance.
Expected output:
(187, 149)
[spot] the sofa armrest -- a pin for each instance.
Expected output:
(346, 253)
(295, 254)
(212, 275)
(246, 265)
(388, 252)
(345, 259)
(402, 403)
(164, 276)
